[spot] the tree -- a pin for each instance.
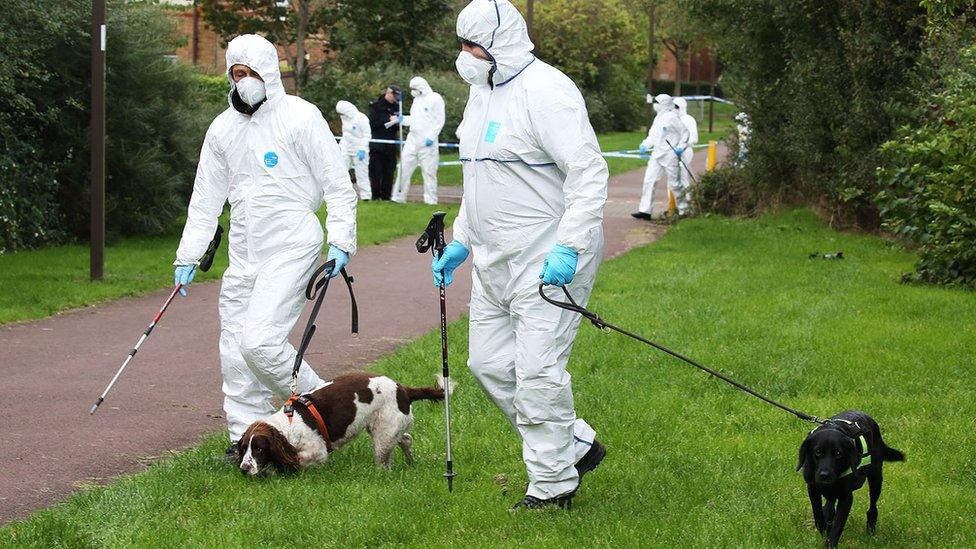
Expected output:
(288, 23)
(415, 33)
(678, 32)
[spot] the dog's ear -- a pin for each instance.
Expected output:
(804, 450)
(284, 456)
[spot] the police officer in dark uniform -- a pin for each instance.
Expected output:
(383, 156)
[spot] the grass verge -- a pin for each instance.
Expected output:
(38, 283)
(691, 461)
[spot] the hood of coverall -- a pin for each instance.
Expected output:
(682, 105)
(498, 27)
(346, 109)
(420, 84)
(665, 101)
(261, 57)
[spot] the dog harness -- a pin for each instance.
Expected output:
(304, 401)
(853, 430)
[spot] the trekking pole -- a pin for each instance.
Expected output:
(433, 240)
(205, 263)
(399, 170)
(682, 162)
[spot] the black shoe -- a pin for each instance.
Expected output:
(641, 215)
(534, 503)
(590, 460)
(230, 454)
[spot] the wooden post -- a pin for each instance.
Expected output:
(97, 142)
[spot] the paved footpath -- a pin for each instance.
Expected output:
(52, 370)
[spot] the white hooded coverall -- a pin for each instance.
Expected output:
(666, 128)
(425, 121)
(534, 176)
(355, 137)
(683, 195)
(275, 167)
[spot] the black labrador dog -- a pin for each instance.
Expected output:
(836, 458)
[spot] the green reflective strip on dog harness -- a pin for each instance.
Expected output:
(865, 459)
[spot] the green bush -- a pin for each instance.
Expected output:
(817, 78)
(156, 116)
(363, 86)
(727, 191)
(928, 176)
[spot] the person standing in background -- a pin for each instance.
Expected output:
(384, 119)
(355, 145)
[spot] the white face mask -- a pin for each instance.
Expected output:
(415, 93)
(474, 71)
(251, 90)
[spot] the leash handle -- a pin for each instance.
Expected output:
(318, 286)
(595, 319)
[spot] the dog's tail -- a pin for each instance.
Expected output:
(890, 454)
(424, 393)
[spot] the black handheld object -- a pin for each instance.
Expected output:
(433, 240)
(208, 257)
(433, 236)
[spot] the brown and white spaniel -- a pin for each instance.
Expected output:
(347, 405)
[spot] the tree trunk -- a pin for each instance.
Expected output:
(651, 44)
(300, 35)
(677, 71)
(530, 18)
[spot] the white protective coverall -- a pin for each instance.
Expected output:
(355, 137)
(275, 167)
(744, 131)
(683, 198)
(666, 128)
(534, 176)
(426, 120)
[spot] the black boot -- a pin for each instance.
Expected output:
(641, 215)
(534, 503)
(590, 460)
(230, 454)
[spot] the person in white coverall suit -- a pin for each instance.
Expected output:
(425, 121)
(355, 145)
(682, 198)
(535, 184)
(666, 140)
(273, 157)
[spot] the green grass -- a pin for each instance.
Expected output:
(691, 461)
(38, 283)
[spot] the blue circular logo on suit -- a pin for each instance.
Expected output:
(270, 159)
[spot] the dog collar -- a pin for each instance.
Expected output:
(320, 423)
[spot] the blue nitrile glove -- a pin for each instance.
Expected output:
(184, 275)
(399, 119)
(341, 260)
(429, 142)
(361, 155)
(679, 150)
(443, 268)
(643, 149)
(559, 268)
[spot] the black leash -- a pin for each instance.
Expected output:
(606, 326)
(318, 285)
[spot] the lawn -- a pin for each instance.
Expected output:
(38, 283)
(691, 461)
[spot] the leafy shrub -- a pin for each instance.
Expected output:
(929, 176)
(726, 190)
(156, 116)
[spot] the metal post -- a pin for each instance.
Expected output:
(97, 139)
(711, 93)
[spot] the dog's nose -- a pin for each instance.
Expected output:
(824, 475)
(245, 467)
